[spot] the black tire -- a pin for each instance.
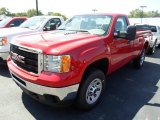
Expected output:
(152, 50)
(85, 95)
(159, 46)
(138, 62)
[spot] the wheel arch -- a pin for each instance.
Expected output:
(101, 64)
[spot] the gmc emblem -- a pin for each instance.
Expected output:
(17, 57)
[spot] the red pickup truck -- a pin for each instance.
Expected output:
(72, 62)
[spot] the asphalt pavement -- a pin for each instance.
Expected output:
(130, 94)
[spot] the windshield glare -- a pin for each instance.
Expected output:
(4, 22)
(97, 24)
(33, 23)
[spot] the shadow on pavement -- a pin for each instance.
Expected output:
(4, 71)
(128, 90)
(156, 54)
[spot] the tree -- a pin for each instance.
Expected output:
(137, 13)
(153, 14)
(57, 14)
(21, 14)
(32, 12)
(5, 11)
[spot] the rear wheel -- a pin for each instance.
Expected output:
(152, 50)
(91, 89)
(138, 62)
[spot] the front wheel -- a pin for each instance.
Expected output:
(138, 62)
(91, 89)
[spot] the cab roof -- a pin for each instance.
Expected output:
(105, 14)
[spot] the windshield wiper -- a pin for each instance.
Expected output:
(80, 30)
(61, 29)
(75, 30)
(25, 27)
(28, 28)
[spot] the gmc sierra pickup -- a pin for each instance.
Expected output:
(72, 62)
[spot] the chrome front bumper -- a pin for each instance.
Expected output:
(4, 55)
(64, 93)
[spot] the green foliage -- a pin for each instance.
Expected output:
(137, 13)
(4, 11)
(153, 14)
(21, 14)
(33, 12)
(57, 14)
(29, 13)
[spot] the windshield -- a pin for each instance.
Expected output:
(33, 23)
(4, 22)
(93, 24)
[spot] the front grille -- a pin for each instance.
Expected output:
(25, 59)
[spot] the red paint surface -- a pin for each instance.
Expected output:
(14, 18)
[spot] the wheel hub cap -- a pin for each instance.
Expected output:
(93, 91)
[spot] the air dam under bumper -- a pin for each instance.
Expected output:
(45, 94)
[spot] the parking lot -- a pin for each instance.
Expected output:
(130, 94)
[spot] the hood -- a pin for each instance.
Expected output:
(4, 32)
(56, 41)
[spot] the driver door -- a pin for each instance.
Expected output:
(121, 48)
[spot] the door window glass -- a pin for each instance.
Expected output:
(121, 24)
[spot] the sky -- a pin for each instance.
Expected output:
(74, 7)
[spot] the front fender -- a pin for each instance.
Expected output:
(91, 55)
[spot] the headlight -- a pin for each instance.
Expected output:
(3, 41)
(59, 64)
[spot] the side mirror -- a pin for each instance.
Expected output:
(131, 32)
(58, 24)
(117, 33)
(53, 26)
(11, 25)
(45, 29)
(120, 34)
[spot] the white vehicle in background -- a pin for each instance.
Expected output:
(155, 41)
(32, 25)
(156, 33)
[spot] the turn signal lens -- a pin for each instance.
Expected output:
(65, 63)
(3, 41)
